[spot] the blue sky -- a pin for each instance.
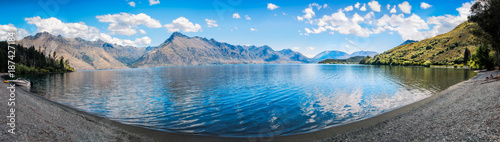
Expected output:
(309, 27)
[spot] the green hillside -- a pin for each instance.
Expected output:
(445, 49)
(351, 60)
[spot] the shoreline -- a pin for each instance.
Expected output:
(41, 119)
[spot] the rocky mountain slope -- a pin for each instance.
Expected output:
(83, 54)
(180, 49)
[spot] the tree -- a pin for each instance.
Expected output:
(486, 13)
(466, 55)
(482, 58)
(61, 63)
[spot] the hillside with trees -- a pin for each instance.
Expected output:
(29, 60)
(474, 43)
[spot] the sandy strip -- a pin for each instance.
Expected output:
(466, 111)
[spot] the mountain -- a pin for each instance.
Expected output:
(295, 56)
(341, 55)
(408, 42)
(364, 53)
(180, 49)
(444, 49)
(82, 54)
(331, 55)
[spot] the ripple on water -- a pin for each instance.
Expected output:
(245, 100)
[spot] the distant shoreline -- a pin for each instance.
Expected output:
(41, 119)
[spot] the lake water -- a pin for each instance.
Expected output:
(245, 100)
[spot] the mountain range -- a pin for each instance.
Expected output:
(177, 50)
(83, 54)
(334, 54)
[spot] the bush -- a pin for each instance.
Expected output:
(407, 63)
(427, 63)
(483, 58)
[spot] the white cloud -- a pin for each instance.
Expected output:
(142, 31)
(388, 6)
(271, 6)
(236, 16)
(309, 13)
(126, 24)
(183, 24)
(153, 2)
(405, 7)
(73, 30)
(349, 8)
(374, 5)
(415, 28)
(424, 5)
(393, 10)
(310, 48)
(363, 8)
(131, 4)
(357, 5)
(411, 27)
(350, 41)
(248, 17)
(316, 5)
(252, 29)
(6, 29)
(143, 40)
(211, 23)
(295, 48)
(340, 23)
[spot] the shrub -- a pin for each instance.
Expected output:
(427, 63)
(483, 58)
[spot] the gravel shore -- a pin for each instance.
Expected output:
(468, 111)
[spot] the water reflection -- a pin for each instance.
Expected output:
(245, 100)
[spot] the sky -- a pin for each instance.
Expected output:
(308, 27)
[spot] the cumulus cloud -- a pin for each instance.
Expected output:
(142, 31)
(126, 24)
(357, 5)
(393, 10)
(309, 13)
(211, 23)
(271, 6)
(6, 29)
(405, 7)
(153, 2)
(388, 6)
(131, 4)
(252, 29)
(424, 5)
(73, 30)
(363, 8)
(317, 5)
(143, 40)
(183, 24)
(236, 16)
(374, 5)
(339, 22)
(415, 28)
(408, 27)
(349, 8)
(248, 17)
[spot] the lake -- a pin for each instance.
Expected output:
(245, 100)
